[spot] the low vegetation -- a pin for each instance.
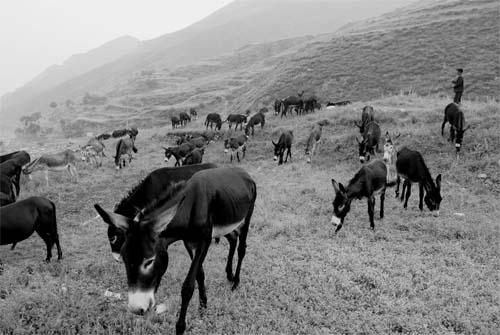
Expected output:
(415, 274)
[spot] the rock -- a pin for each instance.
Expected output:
(161, 308)
(482, 175)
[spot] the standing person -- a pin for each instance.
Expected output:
(458, 86)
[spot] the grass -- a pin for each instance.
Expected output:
(415, 274)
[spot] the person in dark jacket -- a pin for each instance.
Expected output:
(458, 86)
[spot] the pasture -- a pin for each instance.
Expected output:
(414, 274)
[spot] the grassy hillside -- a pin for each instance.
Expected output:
(415, 274)
(240, 23)
(414, 49)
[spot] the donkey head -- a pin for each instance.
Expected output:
(144, 256)
(390, 148)
(364, 154)
(168, 153)
(433, 198)
(459, 137)
(278, 150)
(341, 205)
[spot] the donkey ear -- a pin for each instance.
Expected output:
(438, 181)
(336, 186)
(357, 140)
(164, 148)
(275, 144)
(117, 220)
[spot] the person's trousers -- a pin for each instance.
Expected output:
(458, 97)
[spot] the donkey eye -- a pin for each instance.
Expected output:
(148, 263)
(113, 239)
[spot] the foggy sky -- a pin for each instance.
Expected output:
(35, 34)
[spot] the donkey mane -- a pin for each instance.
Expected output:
(163, 198)
(123, 207)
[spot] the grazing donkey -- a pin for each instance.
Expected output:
(410, 166)
(7, 190)
(193, 113)
(145, 193)
(176, 122)
(314, 139)
(370, 142)
(194, 157)
(284, 143)
(184, 118)
(367, 116)
(179, 152)
(256, 119)
(455, 116)
(125, 146)
(215, 202)
(11, 165)
(236, 145)
(213, 119)
(21, 219)
(369, 181)
(237, 119)
(277, 106)
(59, 162)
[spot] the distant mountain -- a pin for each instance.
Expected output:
(73, 67)
(240, 23)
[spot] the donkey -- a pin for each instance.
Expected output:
(390, 156)
(314, 139)
(213, 119)
(236, 145)
(256, 119)
(277, 106)
(58, 162)
(21, 219)
(12, 169)
(176, 122)
(237, 119)
(124, 146)
(194, 157)
(284, 143)
(370, 142)
(21, 157)
(369, 181)
(7, 190)
(179, 152)
(455, 116)
(184, 118)
(292, 102)
(410, 166)
(366, 117)
(193, 113)
(144, 193)
(215, 202)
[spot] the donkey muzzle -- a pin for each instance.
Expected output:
(335, 221)
(140, 301)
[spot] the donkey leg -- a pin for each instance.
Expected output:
(403, 190)
(48, 242)
(242, 247)
(371, 209)
(398, 181)
(188, 285)
(200, 278)
(382, 199)
(233, 240)
(421, 196)
(442, 127)
(408, 193)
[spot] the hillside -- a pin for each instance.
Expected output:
(414, 274)
(240, 23)
(414, 49)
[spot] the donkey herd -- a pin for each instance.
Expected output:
(198, 202)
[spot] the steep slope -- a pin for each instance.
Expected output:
(414, 49)
(240, 23)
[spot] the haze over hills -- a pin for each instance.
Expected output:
(240, 23)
